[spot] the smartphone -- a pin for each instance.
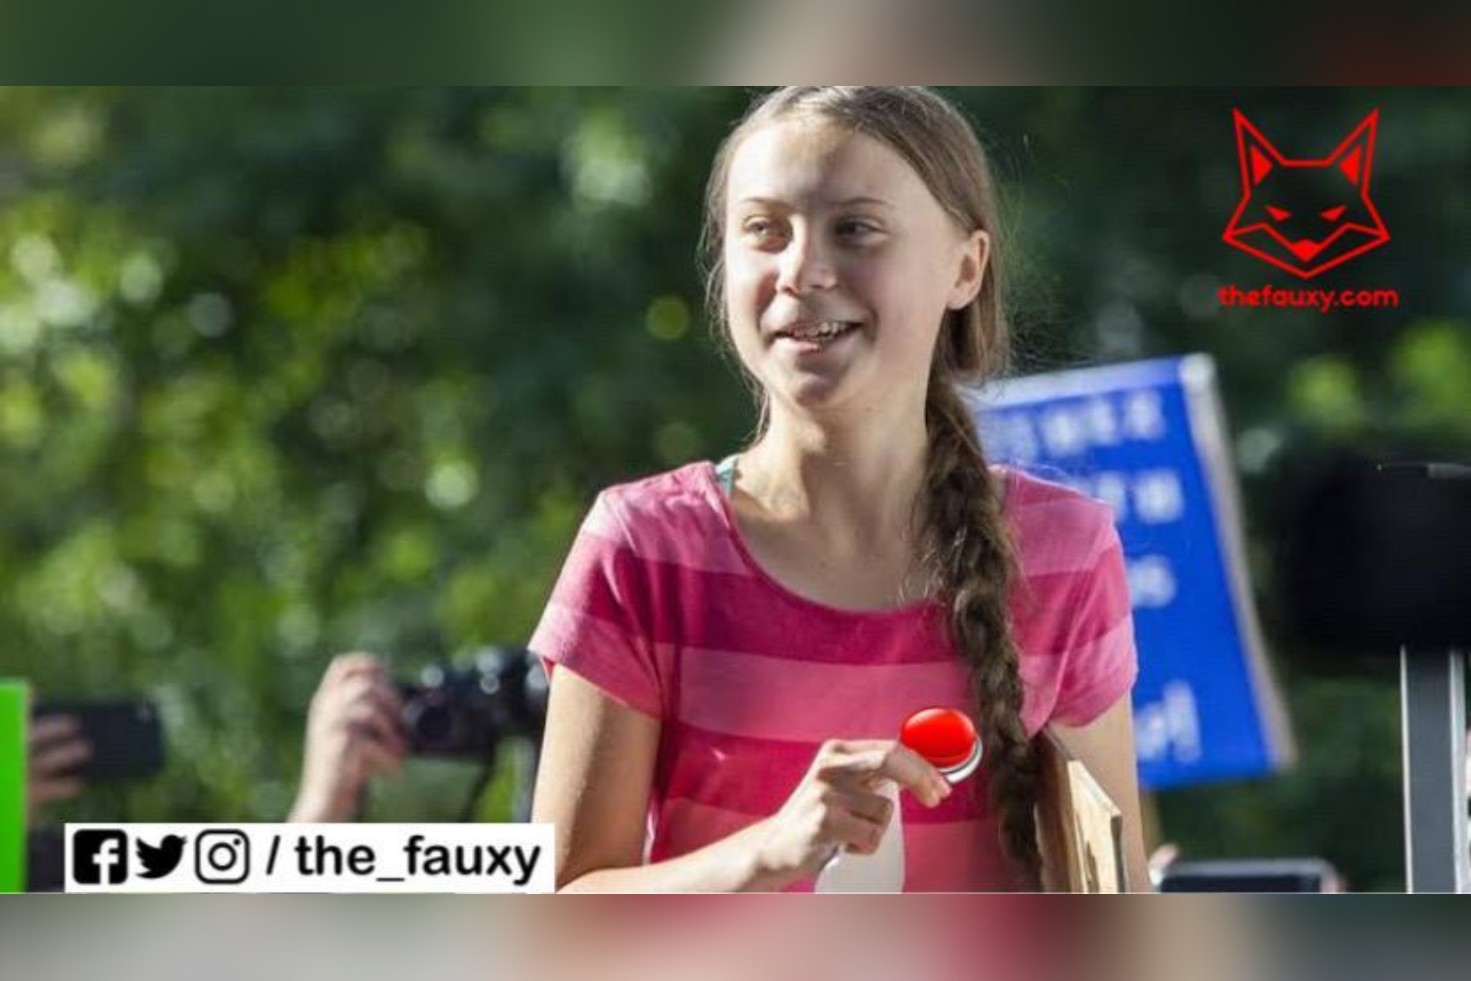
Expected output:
(126, 737)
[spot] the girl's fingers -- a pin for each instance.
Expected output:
(388, 701)
(871, 807)
(855, 833)
(50, 790)
(348, 689)
(345, 668)
(864, 763)
(388, 715)
(377, 725)
(346, 665)
(362, 703)
(58, 758)
(48, 729)
(908, 769)
(363, 690)
(360, 687)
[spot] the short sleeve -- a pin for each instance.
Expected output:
(1101, 663)
(597, 621)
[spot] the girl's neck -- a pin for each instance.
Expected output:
(847, 482)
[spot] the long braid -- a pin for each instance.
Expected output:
(968, 557)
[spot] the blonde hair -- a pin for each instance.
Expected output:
(965, 550)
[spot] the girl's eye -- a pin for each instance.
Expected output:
(761, 229)
(852, 228)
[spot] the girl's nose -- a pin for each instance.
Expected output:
(805, 266)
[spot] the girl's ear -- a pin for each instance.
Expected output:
(975, 254)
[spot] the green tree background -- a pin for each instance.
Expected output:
(287, 373)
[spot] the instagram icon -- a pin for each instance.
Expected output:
(222, 857)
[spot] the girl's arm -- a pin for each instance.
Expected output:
(1106, 747)
(593, 784)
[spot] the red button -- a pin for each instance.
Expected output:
(945, 737)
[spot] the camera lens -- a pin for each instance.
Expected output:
(431, 724)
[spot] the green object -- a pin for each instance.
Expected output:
(14, 709)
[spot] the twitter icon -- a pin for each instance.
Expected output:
(161, 859)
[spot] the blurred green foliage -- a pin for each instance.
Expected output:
(287, 373)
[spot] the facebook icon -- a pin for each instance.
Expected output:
(99, 857)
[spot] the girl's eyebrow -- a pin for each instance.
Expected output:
(846, 203)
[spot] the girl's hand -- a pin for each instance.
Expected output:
(55, 747)
(837, 805)
(354, 733)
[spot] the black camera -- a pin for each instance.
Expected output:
(1375, 555)
(462, 712)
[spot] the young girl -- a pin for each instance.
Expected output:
(737, 645)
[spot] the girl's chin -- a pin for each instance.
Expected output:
(813, 395)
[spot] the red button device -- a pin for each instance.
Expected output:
(947, 738)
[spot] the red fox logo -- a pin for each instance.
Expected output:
(1306, 216)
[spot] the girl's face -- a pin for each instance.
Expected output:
(839, 268)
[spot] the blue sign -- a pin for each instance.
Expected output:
(1149, 439)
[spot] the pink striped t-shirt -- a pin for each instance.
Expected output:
(661, 605)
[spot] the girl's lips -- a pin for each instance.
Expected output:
(806, 335)
(803, 345)
(807, 326)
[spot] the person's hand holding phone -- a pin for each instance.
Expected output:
(55, 748)
(837, 806)
(354, 733)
